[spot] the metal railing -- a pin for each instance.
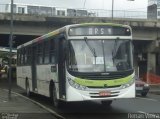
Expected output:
(57, 11)
(2, 8)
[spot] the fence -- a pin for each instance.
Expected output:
(56, 11)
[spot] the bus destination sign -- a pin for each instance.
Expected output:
(99, 31)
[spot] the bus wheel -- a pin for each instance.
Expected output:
(106, 103)
(27, 89)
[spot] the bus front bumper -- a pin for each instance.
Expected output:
(95, 94)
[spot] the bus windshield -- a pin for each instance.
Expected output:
(99, 55)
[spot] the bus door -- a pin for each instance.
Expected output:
(33, 69)
(61, 68)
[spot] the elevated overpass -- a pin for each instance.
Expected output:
(146, 34)
(25, 24)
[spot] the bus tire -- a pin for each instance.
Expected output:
(106, 103)
(28, 93)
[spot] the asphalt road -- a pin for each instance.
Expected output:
(94, 110)
(120, 109)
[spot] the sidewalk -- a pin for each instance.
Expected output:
(20, 108)
(155, 89)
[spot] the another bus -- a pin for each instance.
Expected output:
(79, 62)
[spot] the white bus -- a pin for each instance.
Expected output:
(79, 62)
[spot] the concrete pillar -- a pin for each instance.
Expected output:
(151, 64)
(136, 64)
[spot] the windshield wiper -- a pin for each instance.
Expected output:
(91, 49)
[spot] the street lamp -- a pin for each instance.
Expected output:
(113, 7)
(10, 52)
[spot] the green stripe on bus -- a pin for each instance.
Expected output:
(100, 24)
(86, 82)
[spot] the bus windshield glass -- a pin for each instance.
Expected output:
(99, 55)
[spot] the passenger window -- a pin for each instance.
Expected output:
(28, 55)
(40, 53)
(52, 51)
(46, 52)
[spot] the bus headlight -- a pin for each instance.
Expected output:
(76, 85)
(129, 83)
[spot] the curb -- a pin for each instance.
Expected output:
(157, 92)
(40, 105)
(158, 84)
(154, 88)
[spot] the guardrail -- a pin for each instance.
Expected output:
(57, 11)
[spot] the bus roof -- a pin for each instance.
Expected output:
(107, 24)
(65, 28)
(45, 36)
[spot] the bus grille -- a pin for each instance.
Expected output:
(103, 77)
(116, 86)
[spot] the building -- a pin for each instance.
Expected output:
(153, 9)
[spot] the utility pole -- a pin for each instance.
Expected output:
(112, 8)
(10, 53)
(84, 4)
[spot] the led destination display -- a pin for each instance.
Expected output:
(99, 31)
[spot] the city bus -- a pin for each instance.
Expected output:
(79, 62)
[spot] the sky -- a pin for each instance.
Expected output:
(136, 5)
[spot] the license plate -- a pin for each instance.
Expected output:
(104, 93)
(139, 88)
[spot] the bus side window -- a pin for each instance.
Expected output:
(46, 52)
(40, 53)
(18, 57)
(22, 56)
(52, 51)
(25, 56)
(19, 61)
(28, 53)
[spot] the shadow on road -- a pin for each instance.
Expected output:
(82, 110)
